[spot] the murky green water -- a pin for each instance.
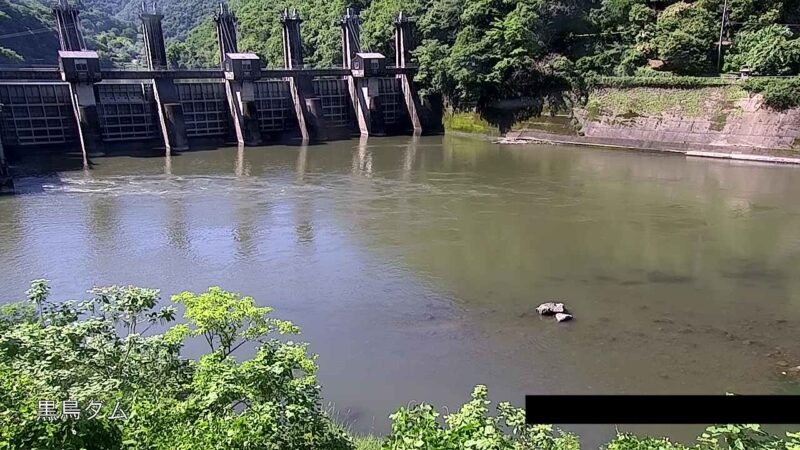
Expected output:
(414, 265)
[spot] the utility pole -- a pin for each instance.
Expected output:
(721, 33)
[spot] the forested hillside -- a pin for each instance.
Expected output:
(471, 51)
(476, 51)
(27, 33)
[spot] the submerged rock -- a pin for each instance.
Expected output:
(550, 308)
(563, 317)
(794, 372)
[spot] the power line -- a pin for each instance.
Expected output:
(783, 24)
(25, 33)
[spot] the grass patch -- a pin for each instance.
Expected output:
(367, 442)
(648, 101)
(667, 82)
(469, 122)
(718, 121)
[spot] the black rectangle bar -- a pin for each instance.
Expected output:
(662, 409)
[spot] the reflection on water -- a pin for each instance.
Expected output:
(414, 264)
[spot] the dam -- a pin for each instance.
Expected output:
(80, 105)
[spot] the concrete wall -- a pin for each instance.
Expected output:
(709, 119)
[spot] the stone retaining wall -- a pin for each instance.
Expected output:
(743, 125)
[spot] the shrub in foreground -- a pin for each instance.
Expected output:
(99, 351)
(472, 427)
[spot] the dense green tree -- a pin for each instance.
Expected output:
(685, 37)
(770, 50)
(487, 52)
(377, 30)
(102, 350)
(199, 50)
(623, 37)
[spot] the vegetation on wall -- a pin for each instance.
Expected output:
(778, 93)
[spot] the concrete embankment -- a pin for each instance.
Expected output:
(717, 122)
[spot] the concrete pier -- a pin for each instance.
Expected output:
(241, 72)
(359, 89)
(6, 183)
(81, 69)
(170, 110)
(70, 37)
(307, 106)
(403, 45)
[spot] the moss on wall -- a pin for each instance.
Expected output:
(469, 122)
(648, 101)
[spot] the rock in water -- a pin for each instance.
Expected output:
(550, 308)
(563, 317)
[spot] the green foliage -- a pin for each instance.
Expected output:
(766, 51)
(96, 350)
(227, 321)
(368, 443)
(685, 34)
(199, 50)
(10, 55)
(664, 80)
(718, 437)
(19, 18)
(377, 29)
(469, 122)
(778, 93)
(479, 54)
(473, 428)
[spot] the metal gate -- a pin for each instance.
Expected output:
(335, 99)
(205, 109)
(274, 105)
(35, 114)
(389, 93)
(126, 111)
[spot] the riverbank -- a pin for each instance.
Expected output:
(526, 136)
(711, 118)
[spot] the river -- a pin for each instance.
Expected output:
(413, 265)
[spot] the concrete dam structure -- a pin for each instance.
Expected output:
(81, 105)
